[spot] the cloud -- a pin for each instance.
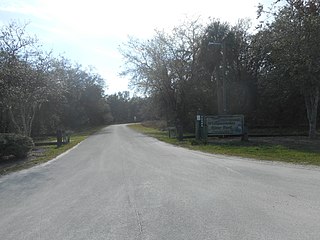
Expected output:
(99, 18)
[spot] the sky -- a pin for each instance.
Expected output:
(89, 32)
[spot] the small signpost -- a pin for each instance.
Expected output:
(220, 125)
(231, 125)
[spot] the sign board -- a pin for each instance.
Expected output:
(225, 125)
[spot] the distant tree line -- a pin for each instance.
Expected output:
(127, 109)
(272, 75)
(40, 93)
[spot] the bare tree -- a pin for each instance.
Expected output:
(24, 78)
(164, 66)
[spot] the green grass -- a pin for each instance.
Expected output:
(153, 132)
(251, 149)
(46, 152)
(264, 152)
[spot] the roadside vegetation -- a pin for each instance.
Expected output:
(42, 154)
(270, 76)
(299, 150)
(42, 94)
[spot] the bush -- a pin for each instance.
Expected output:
(15, 144)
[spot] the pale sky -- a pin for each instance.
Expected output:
(89, 31)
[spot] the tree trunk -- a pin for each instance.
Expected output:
(14, 120)
(23, 118)
(312, 101)
(34, 107)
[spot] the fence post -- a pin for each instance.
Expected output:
(59, 138)
(179, 128)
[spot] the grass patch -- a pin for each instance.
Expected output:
(263, 152)
(256, 149)
(42, 154)
(153, 132)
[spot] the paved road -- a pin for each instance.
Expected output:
(119, 184)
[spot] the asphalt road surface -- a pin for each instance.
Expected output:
(119, 184)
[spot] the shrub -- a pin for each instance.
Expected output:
(15, 144)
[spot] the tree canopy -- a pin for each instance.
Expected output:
(270, 75)
(41, 93)
(294, 53)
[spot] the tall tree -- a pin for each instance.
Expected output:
(294, 50)
(35, 87)
(24, 81)
(225, 57)
(163, 67)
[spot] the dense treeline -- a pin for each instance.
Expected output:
(40, 93)
(126, 109)
(271, 76)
